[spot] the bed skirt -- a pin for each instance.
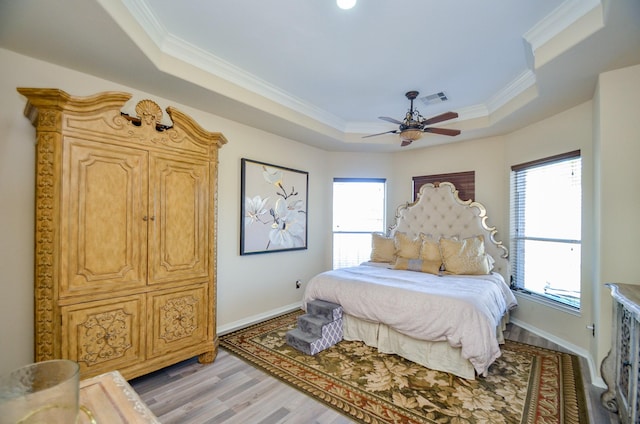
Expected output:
(438, 356)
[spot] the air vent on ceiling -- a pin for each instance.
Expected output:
(434, 98)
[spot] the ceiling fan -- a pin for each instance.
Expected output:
(414, 124)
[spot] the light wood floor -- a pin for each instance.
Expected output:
(231, 391)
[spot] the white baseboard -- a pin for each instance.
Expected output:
(596, 380)
(237, 325)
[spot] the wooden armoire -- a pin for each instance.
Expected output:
(125, 233)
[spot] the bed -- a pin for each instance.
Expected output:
(435, 290)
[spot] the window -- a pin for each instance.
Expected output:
(546, 212)
(358, 210)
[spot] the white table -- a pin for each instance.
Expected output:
(112, 400)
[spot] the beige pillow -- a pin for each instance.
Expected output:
(383, 248)
(429, 249)
(406, 247)
(431, 267)
(464, 256)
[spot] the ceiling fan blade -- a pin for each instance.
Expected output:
(386, 132)
(443, 131)
(393, 121)
(405, 143)
(439, 118)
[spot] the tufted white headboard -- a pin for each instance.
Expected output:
(439, 212)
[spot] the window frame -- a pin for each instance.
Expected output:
(384, 209)
(516, 265)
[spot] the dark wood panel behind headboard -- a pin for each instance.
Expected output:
(465, 183)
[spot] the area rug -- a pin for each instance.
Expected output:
(525, 385)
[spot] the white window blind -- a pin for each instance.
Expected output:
(358, 210)
(546, 217)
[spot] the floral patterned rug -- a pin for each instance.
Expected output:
(526, 384)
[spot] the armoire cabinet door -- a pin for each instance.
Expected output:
(105, 234)
(178, 226)
(104, 335)
(180, 319)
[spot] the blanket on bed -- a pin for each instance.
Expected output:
(463, 310)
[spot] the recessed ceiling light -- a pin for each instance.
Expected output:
(346, 4)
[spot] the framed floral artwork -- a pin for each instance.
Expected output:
(273, 204)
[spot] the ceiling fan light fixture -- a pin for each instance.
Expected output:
(346, 4)
(414, 124)
(410, 135)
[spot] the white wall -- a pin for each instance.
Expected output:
(252, 285)
(617, 188)
(17, 179)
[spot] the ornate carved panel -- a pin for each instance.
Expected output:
(621, 367)
(178, 318)
(47, 152)
(181, 318)
(104, 335)
(624, 357)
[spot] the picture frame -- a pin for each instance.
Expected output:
(273, 208)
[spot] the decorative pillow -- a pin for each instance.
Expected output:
(431, 267)
(491, 262)
(383, 248)
(430, 249)
(407, 247)
(464, 256)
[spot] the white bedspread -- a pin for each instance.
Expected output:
(463, 310)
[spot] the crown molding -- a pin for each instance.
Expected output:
(557, 21)
(145, 17)
(194, 55)
(473, 112)
(177, 48)
(515, 88)
(512, 90)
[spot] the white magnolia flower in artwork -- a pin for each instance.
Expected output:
(272, 176)
(254, 209)
(296, 205)
(283, 214)
(288, 227)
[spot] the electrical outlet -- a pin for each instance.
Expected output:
(298, 284)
